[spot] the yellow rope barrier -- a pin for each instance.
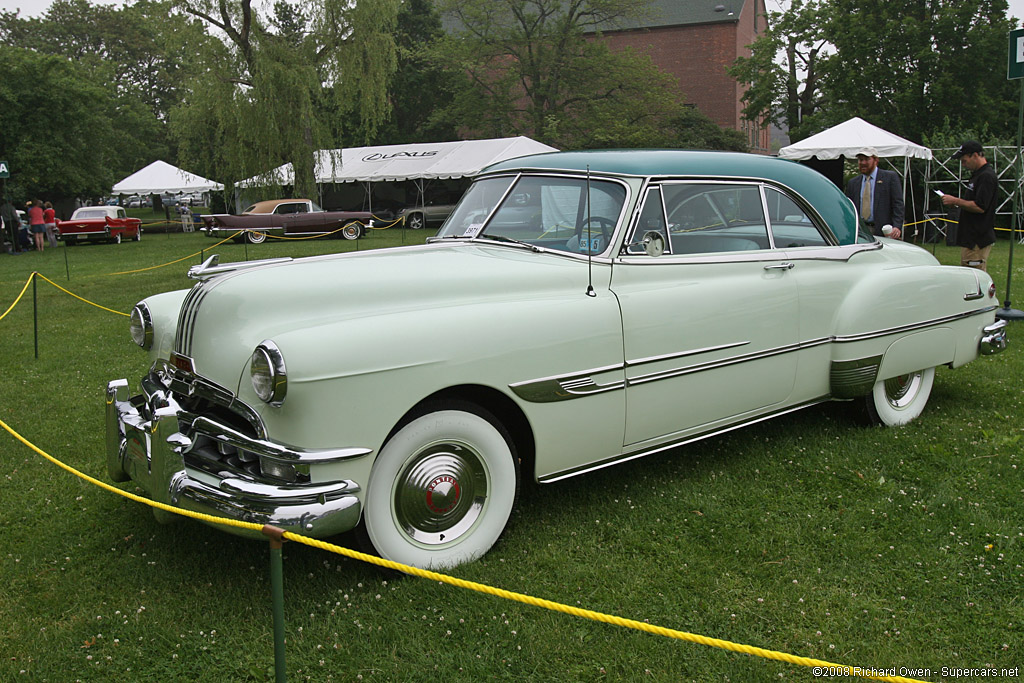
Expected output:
(131, 496)
(11, 307)
(127, 315)
(183, 258)
(859, 672)
(328, 234)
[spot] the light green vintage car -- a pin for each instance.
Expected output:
(577, 310)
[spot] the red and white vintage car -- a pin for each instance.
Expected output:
(100, 224)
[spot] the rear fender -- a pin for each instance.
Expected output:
(925, 349)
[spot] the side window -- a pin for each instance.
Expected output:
(791, 226)
(652, 217)
(287, 208)
(708, 218)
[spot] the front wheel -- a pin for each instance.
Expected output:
(442, 489)
(898, 400)
(415, 221)
(352, 231)
(116, 239)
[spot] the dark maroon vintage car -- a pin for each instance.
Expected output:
(287, 217)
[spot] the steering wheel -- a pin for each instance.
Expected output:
(599, 238)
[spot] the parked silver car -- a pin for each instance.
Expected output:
(428, 215)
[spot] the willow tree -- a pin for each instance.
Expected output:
(280, 86)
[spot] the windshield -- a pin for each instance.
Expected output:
(551, 212)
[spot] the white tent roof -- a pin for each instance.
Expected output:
(427, 160)
(160, 176)
(849, 138)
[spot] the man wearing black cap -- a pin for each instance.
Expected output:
(975, 232)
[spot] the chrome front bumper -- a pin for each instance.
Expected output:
(993, 339)
(166, 451)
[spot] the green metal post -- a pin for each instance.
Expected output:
(67, 268)
(1007, 312)
(35, 315)
(277, 594)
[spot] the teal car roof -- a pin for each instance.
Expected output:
(821, 193)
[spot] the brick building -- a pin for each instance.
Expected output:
(695, 41)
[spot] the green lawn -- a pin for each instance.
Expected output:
(811, 534)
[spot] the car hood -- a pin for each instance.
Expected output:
(224, 318)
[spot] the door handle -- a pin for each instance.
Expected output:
(785, 265)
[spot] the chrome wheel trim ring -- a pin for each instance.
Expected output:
(440, 494)
(902, 390)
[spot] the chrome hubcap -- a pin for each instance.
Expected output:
(440, 494)
(900, 391)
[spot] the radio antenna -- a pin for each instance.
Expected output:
(590, 244)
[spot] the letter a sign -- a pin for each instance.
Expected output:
(5, 170)
(1015, 63)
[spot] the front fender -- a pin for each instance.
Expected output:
(352, 381)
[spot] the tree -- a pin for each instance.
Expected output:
(905, 65)
(782, 73)
(57, 127)
(134, 52)
(421, 86)
(539, 68)
(272, 83)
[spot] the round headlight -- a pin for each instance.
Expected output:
(269, 377)
(141, 326)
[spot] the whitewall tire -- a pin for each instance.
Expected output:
(442, 489)
(898, 400)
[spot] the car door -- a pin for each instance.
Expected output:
(297, 219)
(710, 326)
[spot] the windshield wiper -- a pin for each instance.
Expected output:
(511, 240)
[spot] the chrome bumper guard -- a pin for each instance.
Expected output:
(993, 338)
(148, 439)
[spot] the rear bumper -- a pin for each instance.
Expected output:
(993, 338)
(178, 459)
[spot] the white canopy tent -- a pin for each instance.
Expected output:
(849, 138)
(160, 177)
(416, 161)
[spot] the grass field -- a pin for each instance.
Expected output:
(812, 534)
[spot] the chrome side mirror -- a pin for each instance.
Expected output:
(654, 243)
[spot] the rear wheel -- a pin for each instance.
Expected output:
(255, 236)
(898, 400)
(442, 489)
(116, 238)
(138, 236)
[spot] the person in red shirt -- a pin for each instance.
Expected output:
(50, 223)
(36, 223)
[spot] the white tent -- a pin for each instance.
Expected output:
(417, 161)
(849, 138)
(161, 177)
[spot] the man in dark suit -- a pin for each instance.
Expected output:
(878, 195)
